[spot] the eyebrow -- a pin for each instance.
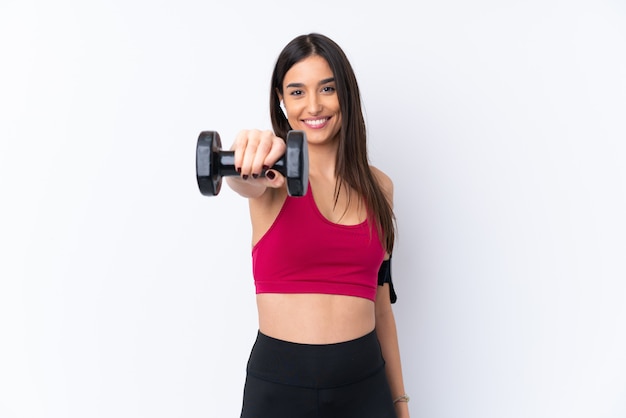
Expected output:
(322, 82)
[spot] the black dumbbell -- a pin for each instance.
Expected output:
(212, 163)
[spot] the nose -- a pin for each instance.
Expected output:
(314, 105)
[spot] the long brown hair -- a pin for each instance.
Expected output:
(352, 166)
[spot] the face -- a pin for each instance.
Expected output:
(310, 97)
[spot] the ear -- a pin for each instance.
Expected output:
(282, 103)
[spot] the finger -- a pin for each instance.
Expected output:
(277, 151)
(239, 147)
(274, 179)
(252, 143)
(264, 147)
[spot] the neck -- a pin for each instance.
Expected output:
(322, 160)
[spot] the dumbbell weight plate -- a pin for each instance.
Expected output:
(207, 150)
(297, 163)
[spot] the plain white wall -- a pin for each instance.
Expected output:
(126, 293)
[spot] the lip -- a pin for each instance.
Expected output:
(317, 123)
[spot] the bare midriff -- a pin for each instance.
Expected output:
(314, 318)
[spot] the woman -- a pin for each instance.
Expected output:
(327, 343)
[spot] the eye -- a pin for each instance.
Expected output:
(296, 93)
(328, 89)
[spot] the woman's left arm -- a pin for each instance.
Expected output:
(386, 322)
(388, 337)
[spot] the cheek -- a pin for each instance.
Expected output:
(338, 115)
(337, 123)
(296, 107)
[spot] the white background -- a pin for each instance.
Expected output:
(125, 293)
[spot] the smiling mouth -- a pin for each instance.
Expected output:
(315, 123)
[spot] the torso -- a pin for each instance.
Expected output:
(312, 318)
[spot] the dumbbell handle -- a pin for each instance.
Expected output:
(226, 161)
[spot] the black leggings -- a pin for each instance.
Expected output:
(292, 380)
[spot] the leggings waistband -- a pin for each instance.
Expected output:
(315, 365)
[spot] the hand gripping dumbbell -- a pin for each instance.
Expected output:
(212, 163)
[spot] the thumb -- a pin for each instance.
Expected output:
(274, 179)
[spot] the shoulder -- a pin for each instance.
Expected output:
(384, 181)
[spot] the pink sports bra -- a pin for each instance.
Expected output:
(303, 252)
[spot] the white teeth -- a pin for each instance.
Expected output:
(316, 122)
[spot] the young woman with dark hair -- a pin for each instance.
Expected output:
(327, 344)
